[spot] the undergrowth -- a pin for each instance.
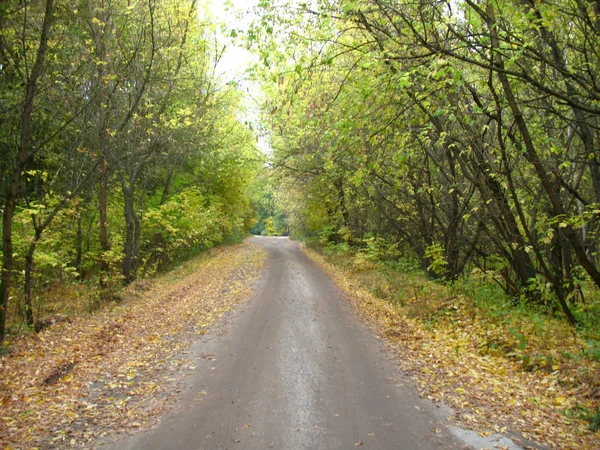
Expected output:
(69, 297)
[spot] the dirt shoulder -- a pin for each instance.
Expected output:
(117, 370)
(489, 391)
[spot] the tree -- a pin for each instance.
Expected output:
(16, 73)
(113, 120)
(466, 127)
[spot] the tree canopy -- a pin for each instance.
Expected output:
(122, 149)
(462, 133)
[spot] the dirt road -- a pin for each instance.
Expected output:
(296, 369)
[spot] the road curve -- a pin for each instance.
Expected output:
(296, 370)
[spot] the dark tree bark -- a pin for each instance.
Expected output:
(24, 154)
(132, 227)
(534, 159)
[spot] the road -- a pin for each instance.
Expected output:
(296, 369)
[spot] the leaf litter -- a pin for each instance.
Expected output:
(451, 361)
(116, 371)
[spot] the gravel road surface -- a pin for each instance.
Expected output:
(296, 369)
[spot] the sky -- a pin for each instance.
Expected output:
(236, 14)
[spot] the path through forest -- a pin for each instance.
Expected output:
(297, 369)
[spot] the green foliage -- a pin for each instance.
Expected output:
(439, 128)
(327, 235)
(182, 225)
(435, 253)
(594, 419)
(378, 249)
(131, 132)
(270, 218)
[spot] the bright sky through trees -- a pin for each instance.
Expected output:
(236, 16)
(232, 14)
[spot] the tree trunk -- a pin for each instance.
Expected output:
(534, 159)
(453, 241)
(102, 135)
(104, 241)
(7, 250)
(137, 237)
(23, 157)
(167, 188)
(131, 230)
(339, 186)
(79, 246)
(28, 283)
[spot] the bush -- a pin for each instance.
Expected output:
(186, 223)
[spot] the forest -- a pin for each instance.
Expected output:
(438, 159)
(122, 150)
(462, 135)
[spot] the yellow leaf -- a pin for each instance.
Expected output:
(560, 400)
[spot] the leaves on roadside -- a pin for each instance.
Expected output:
(116, 371)
(491, 391)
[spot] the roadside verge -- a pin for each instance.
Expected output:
(116, 370)
(489, 392)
